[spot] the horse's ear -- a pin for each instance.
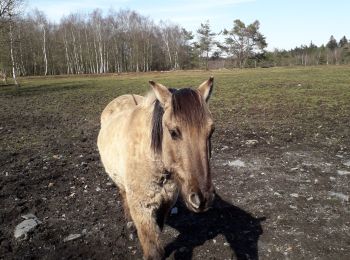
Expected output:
(162, 92)
(206, 88)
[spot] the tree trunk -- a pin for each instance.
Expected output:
(12, 57)
(44, 49)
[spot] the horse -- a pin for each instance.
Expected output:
(118, 104)
(156, 149)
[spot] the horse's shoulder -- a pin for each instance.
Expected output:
(119, 104)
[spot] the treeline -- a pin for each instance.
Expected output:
(333, 52)
(119, 42)
(126, 41)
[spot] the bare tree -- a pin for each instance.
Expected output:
(9, 11)
(121, 41)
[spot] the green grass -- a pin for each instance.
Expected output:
(290, 104)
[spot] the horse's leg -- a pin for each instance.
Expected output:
(125, 205)
(148, 232)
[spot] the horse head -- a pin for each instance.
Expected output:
(185, 126)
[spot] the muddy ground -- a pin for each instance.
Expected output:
(282, 197)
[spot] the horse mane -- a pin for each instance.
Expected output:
(187, 106)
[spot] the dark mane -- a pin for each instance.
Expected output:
(187, 107)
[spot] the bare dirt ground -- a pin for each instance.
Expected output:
(282, 198)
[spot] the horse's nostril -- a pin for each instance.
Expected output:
(194, 200)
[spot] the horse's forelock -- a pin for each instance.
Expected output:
(187, 106)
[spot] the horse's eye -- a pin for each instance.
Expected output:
(174, 133)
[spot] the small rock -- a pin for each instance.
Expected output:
(131, 236)
(251, 143)
(339, 195)
(56, 156)
(224, 147)
(109, 183)
(332, 178)
(27, 225)
(236, 163)
(72, 237)
(174, 211)
(347, 163)
(226, 244)
(310, 198)
(277, 194)
(98, 189)
(83, 164)
(294, 169)
(50, 185)
(340, 172)
(294, 195)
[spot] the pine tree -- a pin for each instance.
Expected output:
(243, 42)
(332, 43)
(343, 42)
(205, 41)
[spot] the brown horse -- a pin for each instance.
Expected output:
(156, 148)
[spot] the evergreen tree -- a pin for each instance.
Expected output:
(332, 46)
(332, 43)
(343, 42)
(205, 41)
(243, 42)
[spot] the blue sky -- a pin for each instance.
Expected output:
(285, 23)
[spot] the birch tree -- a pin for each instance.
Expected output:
(9, 12)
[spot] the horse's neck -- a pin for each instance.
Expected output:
(144, 129)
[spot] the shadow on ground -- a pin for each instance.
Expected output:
(240, 229)
(42, 89)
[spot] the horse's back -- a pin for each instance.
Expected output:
(113, 139)
(119, 104)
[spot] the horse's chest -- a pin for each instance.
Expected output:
(164, 190)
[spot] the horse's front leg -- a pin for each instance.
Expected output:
(148, 230)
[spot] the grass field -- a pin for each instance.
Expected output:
(300, 118)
